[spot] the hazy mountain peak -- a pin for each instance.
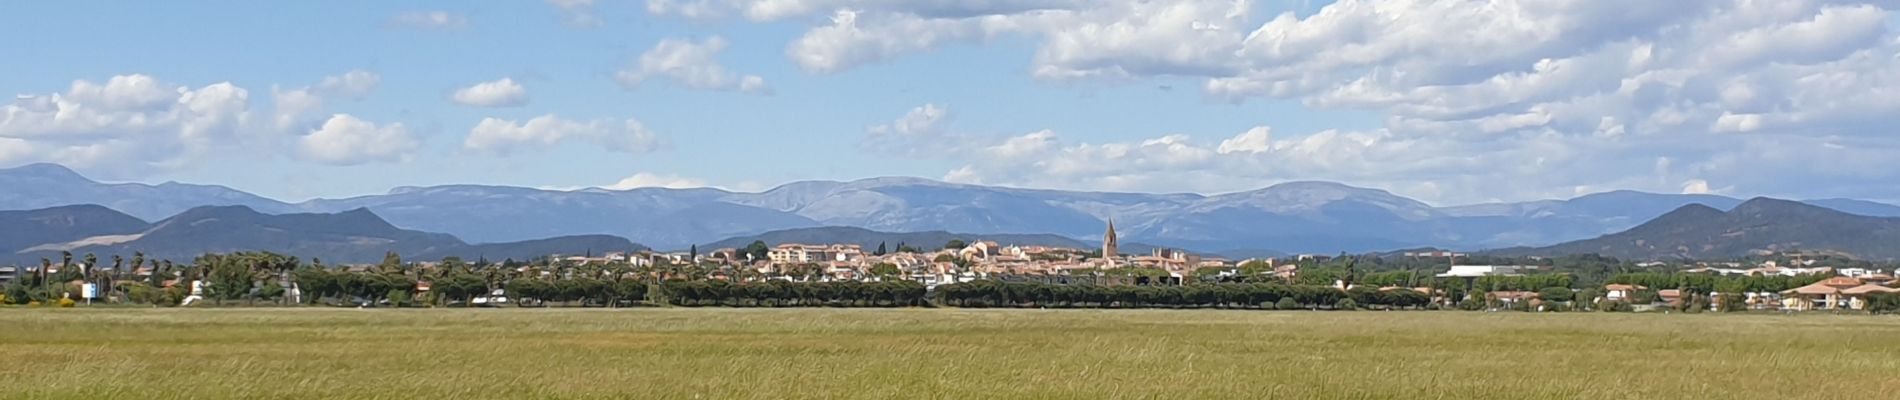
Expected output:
(1764, 205)
(899, 181)
(1692, 211)
(44, 171)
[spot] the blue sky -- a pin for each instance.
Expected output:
(1449, 102)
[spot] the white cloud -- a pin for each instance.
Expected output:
(498, 136)
(965, 175)
(921, 131)
(923, 121)
(577, 13)
(294, 110)
(353, 85)
(1737, 123)
(1478, 97)
(347, 140)
(434, 20)
(131, 126)
(499, 93)
(854, 39)
(1256, 140)
(126, 125)
(1695, 186)
(689, 64)
(648, 180)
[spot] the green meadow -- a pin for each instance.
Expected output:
(937, 353)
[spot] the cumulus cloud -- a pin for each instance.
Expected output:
(432, 20)
(1587, 92)
(924, 121)
(133, 125)
(347, 140)
(922, 130)
(1256, 140)
(1444, 169)
(689, 64)
(652, 180)
(499, 136)
(124, 125)
(498, 93)
(296, 110)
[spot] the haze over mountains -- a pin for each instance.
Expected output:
(1305, 217)
(354, 236)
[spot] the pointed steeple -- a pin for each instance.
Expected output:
(1111, 245)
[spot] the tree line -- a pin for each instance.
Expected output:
(987, 293)
(780, 293)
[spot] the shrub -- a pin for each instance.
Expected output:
(17, 293)
(174, 295)
(398, 297)
(1883, 303)
(1346, 304)
(1474, 302)
(1732, 302)
(1286, 303)
(1556, 294)
(1266, 305)
(271, 291)
(1615, 306)
(67, 303)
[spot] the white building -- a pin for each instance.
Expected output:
(1473, 271)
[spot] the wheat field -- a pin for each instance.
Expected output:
(937, 353)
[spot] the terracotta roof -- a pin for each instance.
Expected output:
(1868, 289)
(1514, 295)
(1620, 287)
(1842, 282)
(1818, 288)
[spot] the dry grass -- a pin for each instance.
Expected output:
(937, 353)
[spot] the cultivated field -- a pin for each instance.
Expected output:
(937, 353)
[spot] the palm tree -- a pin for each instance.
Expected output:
(45, 265)
(112, 279)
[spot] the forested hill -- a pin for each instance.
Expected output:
(1757, 226)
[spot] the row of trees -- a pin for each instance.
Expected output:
(1226, 295)
(778, 293)
(1712, 283)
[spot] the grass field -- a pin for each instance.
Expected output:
(937, 353)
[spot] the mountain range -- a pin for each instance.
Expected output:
(1298, 217)
(1756, 226)
(353, 236)
(870, 239)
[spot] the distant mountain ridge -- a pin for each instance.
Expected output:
(1295, 217)
(934, 240)
(1759, 225)
(354, 236)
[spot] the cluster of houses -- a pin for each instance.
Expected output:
(976, 260)
(1847, 289)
